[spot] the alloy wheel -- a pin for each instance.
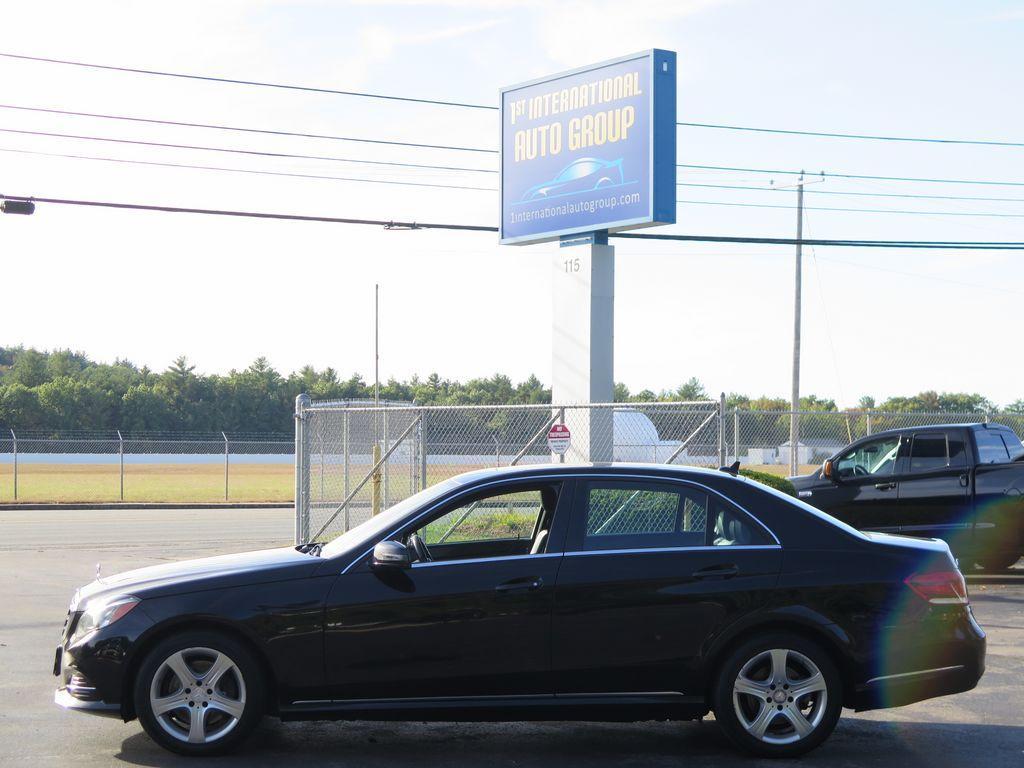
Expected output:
(197, 695)
(780, 696)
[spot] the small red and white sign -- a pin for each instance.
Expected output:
(559, 439)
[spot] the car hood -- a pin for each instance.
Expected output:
(189, 575)
(805, 481)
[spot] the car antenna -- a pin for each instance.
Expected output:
(733, 469)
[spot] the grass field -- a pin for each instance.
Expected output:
(179, 483)
(194, 483)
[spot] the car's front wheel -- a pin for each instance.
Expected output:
(199, 693)
(778, 695)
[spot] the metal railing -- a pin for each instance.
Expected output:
(114, 465)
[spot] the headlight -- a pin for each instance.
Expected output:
(102, 613)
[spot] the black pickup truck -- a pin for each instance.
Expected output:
(963, 483)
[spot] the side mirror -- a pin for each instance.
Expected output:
(827, 470)
(391, 554)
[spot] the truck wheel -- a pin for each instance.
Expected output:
(199, 693)
(778, 695)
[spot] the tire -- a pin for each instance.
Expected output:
(999, 561)
(770, 729)
(230, 706)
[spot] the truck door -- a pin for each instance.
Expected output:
(863, 491)
(934, 492)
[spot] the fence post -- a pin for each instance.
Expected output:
(561, 420)
(736, 433)
(721, 430)
(423, 450)
(867, 423)
(226, 453)
(347, 449)
(14, 438)
(302, 510)
(120, 460)
(384, 469)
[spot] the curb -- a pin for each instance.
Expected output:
(32, 506)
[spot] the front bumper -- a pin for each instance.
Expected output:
(62, 698)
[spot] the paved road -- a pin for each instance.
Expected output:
(45, 555)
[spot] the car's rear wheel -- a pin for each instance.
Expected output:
(199, 693)
(778, 695)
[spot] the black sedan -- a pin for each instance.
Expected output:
(599, 592)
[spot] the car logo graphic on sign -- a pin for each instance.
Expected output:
(559, 439)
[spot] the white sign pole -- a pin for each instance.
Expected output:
(582, 344)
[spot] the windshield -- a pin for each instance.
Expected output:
(387, 519)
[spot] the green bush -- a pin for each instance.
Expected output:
(772, 481)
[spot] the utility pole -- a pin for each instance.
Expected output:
(794, 418)
(794, 404)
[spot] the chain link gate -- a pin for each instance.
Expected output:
(354, 460)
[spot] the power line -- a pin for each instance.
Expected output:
(287, 174)
(852, 175)
(390, 224)
(870, 137)
(855, 210)
(905, 195)
(237, 151)
(387, 224)
(243, 129)
(489, 107)
(256, 172)
(233, 81)
(457, 148)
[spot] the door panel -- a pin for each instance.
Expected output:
(442, 629)
(935, 492)
(651, 571)
(473, 621)
(638, 621)
(864, 493)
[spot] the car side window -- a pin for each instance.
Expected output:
(629, 515)
(991, 448)
(874, 458)
(514, 522)
(936, 450)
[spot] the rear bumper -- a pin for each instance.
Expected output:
(963, 667)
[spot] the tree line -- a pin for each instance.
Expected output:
(65, 390)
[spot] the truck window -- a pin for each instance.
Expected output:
(875, 458)
(991, 448)
(936, 450)
(1013, 444)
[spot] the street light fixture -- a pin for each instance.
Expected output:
(22, 207)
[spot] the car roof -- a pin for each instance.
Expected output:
(932, 428)
(555, 470)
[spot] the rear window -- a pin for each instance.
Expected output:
(936, 450)
(991, 448)
(1013, 444)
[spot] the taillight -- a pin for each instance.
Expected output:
(939, 587)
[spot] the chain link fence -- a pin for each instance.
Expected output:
(108, 466)
(356, 459)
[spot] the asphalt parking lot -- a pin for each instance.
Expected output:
(45, 555)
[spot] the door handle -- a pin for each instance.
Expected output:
(965, 481)
(885, 486)
(717, 572)
(529, 584)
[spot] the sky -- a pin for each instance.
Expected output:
(151, 286)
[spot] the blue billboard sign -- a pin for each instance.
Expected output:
(588, 150)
